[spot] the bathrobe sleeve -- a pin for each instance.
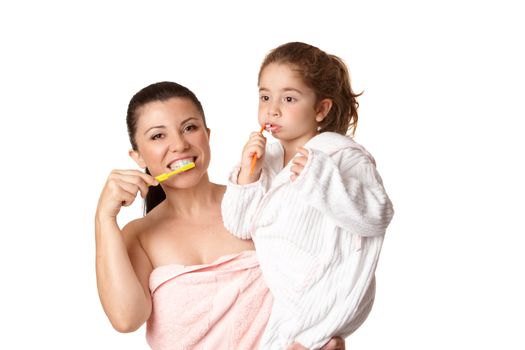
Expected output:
(346, 187)
(240, 203)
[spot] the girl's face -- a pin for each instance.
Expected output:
(287, 106)
(168, 132)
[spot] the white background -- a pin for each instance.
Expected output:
(441, 112)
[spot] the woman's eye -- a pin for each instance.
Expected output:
(189, 128)
(157, 136)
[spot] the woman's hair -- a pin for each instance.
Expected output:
(156, 92)
(328, 76)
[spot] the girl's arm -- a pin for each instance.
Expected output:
(240, 203)
(245, 188)
(122, 266)
(346, 187)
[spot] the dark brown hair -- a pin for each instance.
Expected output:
(328, 76)
(156, 92)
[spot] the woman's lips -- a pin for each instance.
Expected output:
(180, 162)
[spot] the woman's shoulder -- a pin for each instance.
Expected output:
(140, 227)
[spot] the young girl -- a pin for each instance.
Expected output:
(314, 203)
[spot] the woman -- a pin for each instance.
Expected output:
(177, 268)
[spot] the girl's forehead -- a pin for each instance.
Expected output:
(282, 75)
(281, 70)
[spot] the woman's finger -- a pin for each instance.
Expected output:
(336, 343)
(296, 346)
(138, 182)
(148, 179)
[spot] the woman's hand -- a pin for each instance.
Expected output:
(256, 145)
(336, 343)
(299, 162)
(121, 189)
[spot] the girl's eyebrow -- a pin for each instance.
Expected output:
(292, 89)
(286, 89)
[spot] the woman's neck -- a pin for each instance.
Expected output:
(193, 201)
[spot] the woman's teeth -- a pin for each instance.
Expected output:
(180, 163)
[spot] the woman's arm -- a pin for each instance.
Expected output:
(122, 266)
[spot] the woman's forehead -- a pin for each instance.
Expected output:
(172, 110)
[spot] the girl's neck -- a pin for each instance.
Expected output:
(194, 201)
(290, 147)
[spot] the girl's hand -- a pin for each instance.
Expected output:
(121, 189)
(256, 145)
(299, 162)
(336, 343)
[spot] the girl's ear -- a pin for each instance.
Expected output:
(323, 107)
(137, 158)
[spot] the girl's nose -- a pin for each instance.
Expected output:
(273, 110)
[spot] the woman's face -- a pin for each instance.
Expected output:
(168, 132)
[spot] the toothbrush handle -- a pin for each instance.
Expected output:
(254, 157)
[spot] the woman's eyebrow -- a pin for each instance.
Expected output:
(155, 127)
(190, 118)
(164, 126)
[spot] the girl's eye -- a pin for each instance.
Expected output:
(189, 128)
(157, 136)
(265, 98)
(289, 99)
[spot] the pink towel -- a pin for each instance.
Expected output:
(222, 305)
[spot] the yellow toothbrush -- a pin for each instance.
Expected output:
(165, 176)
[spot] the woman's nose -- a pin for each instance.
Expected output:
(178, 143)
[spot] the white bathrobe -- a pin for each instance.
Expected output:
(318, 238)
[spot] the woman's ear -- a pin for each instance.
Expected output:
(135, 155)
(323, 107)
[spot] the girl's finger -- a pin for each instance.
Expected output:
(303, 151)
(300, 160)
(296, 169)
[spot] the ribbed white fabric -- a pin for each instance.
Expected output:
(318, 238)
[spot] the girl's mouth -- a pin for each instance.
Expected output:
(272, 127)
